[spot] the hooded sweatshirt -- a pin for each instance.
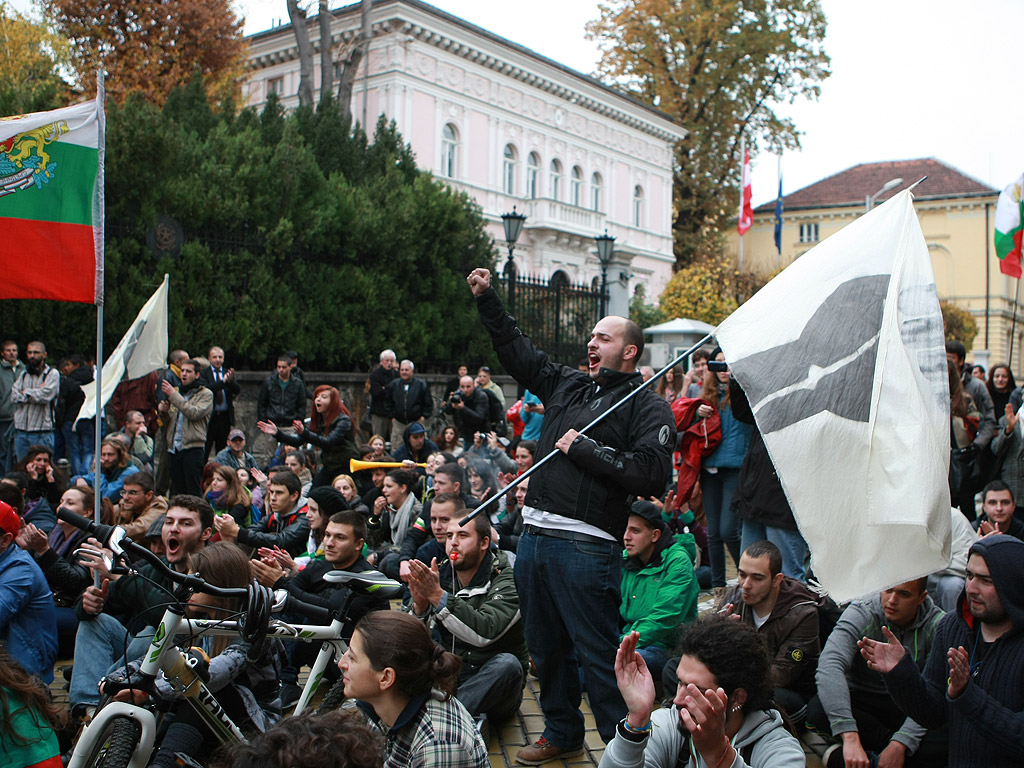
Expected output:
(841, 668)
(762, 742)
(986, 721)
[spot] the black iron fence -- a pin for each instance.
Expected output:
(557, 315)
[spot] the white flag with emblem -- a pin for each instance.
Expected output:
(842, 357)
(142, 350)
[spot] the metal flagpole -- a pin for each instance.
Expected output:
(1013, 324)
(538, 464)
(99, 213)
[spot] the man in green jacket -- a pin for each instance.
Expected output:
(659, 587)
(472, 601)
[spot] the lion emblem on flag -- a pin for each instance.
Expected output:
(24, 161)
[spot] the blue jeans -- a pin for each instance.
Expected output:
(569, 597)
(25, 440)
(790, 543)
(81, 443)
(6, 446)
(723, 525)
(102, 646)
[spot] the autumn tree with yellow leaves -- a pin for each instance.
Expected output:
(31, 58)
(719, 68)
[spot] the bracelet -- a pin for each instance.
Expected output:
(631, 729)
(721, 760)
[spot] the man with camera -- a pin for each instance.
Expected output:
(470, 407)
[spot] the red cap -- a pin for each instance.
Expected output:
(9, 520)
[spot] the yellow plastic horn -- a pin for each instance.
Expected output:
(355, 465)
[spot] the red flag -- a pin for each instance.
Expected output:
(746, 219)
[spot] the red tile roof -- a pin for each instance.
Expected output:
(851, 186)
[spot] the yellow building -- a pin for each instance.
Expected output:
(956, 214)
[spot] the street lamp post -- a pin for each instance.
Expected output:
(869, 200)
(605, 249)
(513, 226)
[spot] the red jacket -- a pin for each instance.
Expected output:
(699, 438)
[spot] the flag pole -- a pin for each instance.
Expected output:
(99, 213)
(1013, 324)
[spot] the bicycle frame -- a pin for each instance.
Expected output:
(333, 645)
(164, 655)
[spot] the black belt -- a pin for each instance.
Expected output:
(558, 533)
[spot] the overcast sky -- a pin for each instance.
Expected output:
(910, 78)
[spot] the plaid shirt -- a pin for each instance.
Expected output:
(431, 733)
(34, 396)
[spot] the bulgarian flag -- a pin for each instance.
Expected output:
(51, 188)
(1009, 215)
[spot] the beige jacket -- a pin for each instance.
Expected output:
(136, 529)
(197, 410)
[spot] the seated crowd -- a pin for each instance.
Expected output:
(739, 684)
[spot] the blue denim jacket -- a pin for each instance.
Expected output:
(735, 441)
(28, 622)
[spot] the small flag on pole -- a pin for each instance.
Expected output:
(141, 350)
(50, 175)
(746, 220)
(1009, 216)
(842, 357)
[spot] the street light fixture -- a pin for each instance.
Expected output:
(869, 200)
(513, 227)
(605, 249)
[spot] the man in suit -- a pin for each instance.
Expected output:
(222, 383)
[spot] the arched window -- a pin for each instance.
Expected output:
(595, 191)
(638, 206)
(556, 179)
(508, 174)
(532, 175)
(576, 186)
(559, 281)
(449, 151)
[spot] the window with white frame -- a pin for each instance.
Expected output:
(532, 175)
(576, 186)
(275, 85)
(508, 170)
(638, 206)
(555, 180)
(809, 233)
(449, 151)
(595, 191)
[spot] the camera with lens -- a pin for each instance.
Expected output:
(455, 398)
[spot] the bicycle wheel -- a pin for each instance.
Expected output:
(116, 744)
(334, 698)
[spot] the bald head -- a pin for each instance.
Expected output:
(616, 343)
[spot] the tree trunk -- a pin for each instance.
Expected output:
(297, 16)
(326, 61)
(350, 65)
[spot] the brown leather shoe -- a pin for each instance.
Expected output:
(543, 750)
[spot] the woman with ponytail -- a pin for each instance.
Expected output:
(404, 683)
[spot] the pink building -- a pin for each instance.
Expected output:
(510, 128)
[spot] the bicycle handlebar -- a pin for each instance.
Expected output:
(316, 612)
(103, 534)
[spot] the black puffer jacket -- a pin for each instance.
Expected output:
(628, 454)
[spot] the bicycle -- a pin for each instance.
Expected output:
(122, 734)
